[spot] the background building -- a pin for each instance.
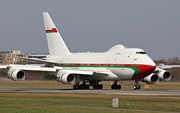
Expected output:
(11, 57)
(1, 53)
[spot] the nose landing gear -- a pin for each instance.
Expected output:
(136, 85)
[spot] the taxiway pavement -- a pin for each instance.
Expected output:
(92, 91)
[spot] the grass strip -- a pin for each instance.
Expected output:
(80, 103)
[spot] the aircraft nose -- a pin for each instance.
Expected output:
(149, 61)
(151, 65)
(146, 69)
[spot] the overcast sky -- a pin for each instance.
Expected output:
(94, 25)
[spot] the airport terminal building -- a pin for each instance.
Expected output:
(11, 57)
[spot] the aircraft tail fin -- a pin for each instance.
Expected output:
(56, 44)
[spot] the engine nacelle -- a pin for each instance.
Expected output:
(151, 79)
(66, 77)
(16, 74)
(164, 75)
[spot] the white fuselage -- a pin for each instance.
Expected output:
(121, 64)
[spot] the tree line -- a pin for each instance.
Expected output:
(169, 61)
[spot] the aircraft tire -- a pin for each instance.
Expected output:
(94, 86)
(86, 86)
(100, 86)
(119, 86)
(112, 86)
(137, 87)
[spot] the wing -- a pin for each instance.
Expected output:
(163, 67)
(17, 72)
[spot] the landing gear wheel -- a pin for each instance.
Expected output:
(74, 87)
(115, 86)
(96, 85)
(137, 87)
(119, 86)
(86, 86)
(134, 87)
(82, 86)
(112, 86)
(100, 86)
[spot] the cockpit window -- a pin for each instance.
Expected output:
(141, 52)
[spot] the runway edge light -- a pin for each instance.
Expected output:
(146, 86)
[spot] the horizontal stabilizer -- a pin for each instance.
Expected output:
(39, 60)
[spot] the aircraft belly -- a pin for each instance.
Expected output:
(108, 78)
(123, 73)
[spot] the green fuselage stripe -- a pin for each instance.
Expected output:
(136, 69)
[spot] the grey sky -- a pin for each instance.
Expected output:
(94, 25)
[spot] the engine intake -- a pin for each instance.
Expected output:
(66, 77)
(16, 74)
(164, 75)
(151, 79)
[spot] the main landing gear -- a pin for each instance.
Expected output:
(136, 85)
(115, 86)
(84, 85)
(97, 85)
(81, 86)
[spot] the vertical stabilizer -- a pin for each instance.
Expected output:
(55, 42)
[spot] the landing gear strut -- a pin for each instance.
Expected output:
(97, 85)
(115, 86)
(81, 86)
(136, 85)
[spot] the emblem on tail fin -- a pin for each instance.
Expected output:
(53, 30)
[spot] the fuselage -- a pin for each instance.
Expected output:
(121, 63)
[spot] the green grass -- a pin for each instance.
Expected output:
(80, 103)
(85, 103)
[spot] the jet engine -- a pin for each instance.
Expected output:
(164, 75)
(16, 74)
(66, 77)
(151, 79)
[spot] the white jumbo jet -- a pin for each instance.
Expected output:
(88, 69)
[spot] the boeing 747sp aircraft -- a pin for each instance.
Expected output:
(89, 69)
